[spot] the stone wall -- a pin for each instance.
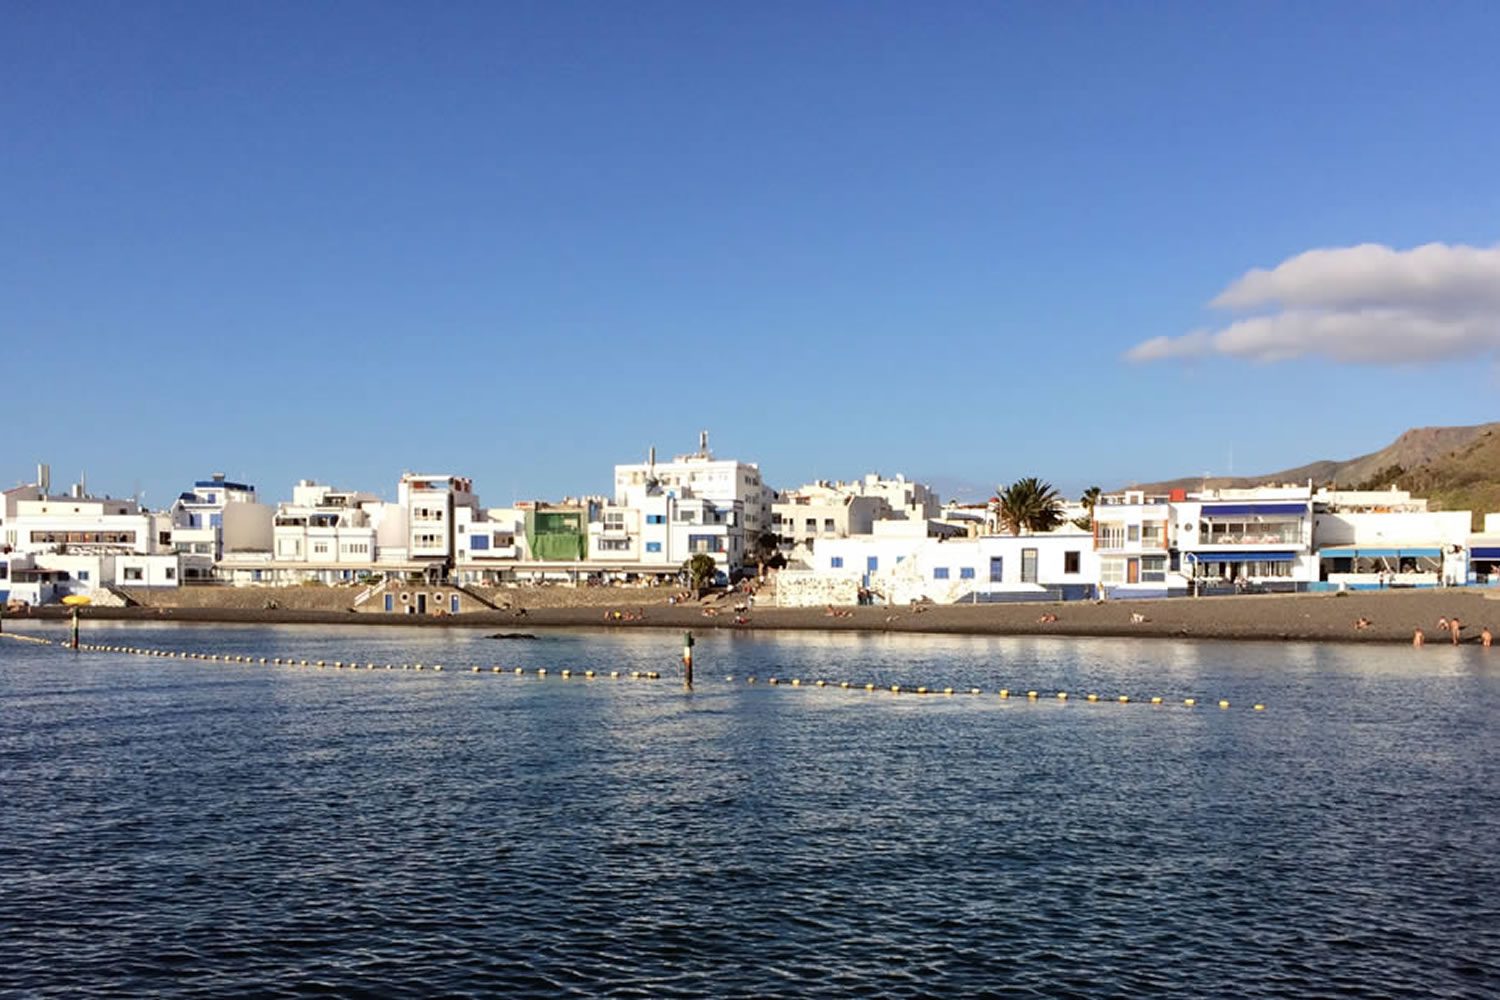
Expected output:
(809, 589)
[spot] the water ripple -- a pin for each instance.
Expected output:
(175, 829)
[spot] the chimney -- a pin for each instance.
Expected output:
(651, 457)
(44, 478)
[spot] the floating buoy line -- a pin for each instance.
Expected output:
(542, 673)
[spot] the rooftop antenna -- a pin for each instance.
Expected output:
(703, 443)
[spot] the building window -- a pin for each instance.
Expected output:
(320, 548)
(1153, 569)
(966, 572)
(1153, 533)
(614, 520)
(837, 562)
(828, 527)
(705, 543)
(872, 563)
(479, 543)
(171, 572)
(1072, 562)
(1112, 570)
(940, 573)
(83, 576)
(1028, 565)
(656, 519)
(133, 574)
(997, 569)
(1133, 533)
(1111, 534)
(653, 546)
(614, 545)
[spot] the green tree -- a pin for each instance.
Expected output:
(1028, 504)
(700, 570)
(1089, 500)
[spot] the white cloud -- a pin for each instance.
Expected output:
(1366, 304)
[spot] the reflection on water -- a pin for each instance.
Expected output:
(214, 829)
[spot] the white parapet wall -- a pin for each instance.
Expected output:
(799, 588)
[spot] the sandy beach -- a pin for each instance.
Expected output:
(1392, 616)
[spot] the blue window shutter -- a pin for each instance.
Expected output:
(837, 562)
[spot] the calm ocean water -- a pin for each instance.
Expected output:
(183, 829)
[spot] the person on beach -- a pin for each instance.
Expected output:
(1454, 628)
(1417, 638)
(1485, 638)
(1361, 624)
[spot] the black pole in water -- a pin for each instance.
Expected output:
(687, 659)
(75, 628)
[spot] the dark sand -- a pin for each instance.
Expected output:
(1393, 616)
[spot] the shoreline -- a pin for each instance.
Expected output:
(1393, 616)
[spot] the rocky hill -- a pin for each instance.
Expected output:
(1456, 468)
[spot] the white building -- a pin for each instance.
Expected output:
(901, 562)
(216, 517)
(1259, 538)
(1133, 537)
(727, 482)
(1374, 538)
(59, 545)
(431, 506)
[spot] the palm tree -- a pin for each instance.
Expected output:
(1090, 500)
(1028, 504)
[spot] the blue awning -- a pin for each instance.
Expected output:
(1485, 552)
(1361, 552)
(1225, 509)
(1208, 557)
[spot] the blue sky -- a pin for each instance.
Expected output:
(523, 242)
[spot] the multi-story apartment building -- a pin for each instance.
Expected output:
(727, 482)
(216, 517)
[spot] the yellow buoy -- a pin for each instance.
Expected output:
(947, 691)
(567, 673)
(1190, 702)
(895, 689)
(844, 685)
(1223, 704)
(921, 690)
(1004, 693)
(1093, 697)
(1124, 699)
(796, 683)
(822, 683)
(869, 687)
(1062, 696)
(1156, 700)
(1032, 695)
(1260, 708)
(589, 674)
